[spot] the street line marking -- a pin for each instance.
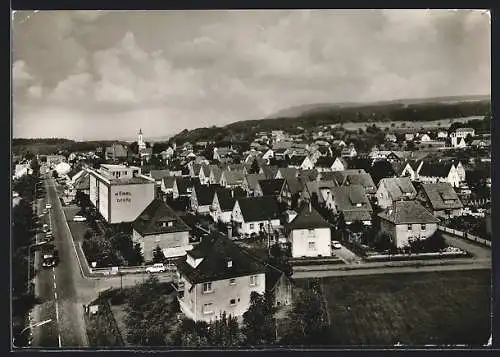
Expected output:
(55, 296)
(59, 340)
(55, 286)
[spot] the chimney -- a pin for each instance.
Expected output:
(310, 206)
(232, 193)
(230, 231)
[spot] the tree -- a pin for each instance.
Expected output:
(55, 174)
(158, 256)
(383, 242)
(435, 242)
(381, 169)
(254, 169)
(310, 323)
(258, 321)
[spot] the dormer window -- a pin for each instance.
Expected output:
(359, 204)
(229, 263)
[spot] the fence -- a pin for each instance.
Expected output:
(466, 235)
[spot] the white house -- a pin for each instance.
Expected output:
(255, 214)
(301, 162)
(433, 172)
(458, 142)
(269, 154)
(309, 234)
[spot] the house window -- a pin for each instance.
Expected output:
(409, 227)
(232, 281)
(207, 287)
(232, 302)
(312, 245)
(208, 308)
(253, 280)
(422, 227)
(251, 225)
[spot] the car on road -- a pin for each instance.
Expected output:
(48, 206)
(45, 211)
(45, 228)
(156, 268)
(336, 244)
(50, 258)
(48, 236)
(79, 219)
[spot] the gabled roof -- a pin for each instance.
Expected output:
(441, 196)
(294, 185)
(347, 197)
(308, 175)
(435, 169)
(159, 174)
(398, 187)
(169, 181)
(364, 179)
(216, 171)
(408, 212)
(258, 208)
(183, 183)
(206, 170)
(324, 162)
(358, 163)
(286, 172)
(253, 179)
(227, 197)
(270, 171)
(82, 182)
(297, 160)
(308, 218)
(216, 253)
(234, 177)
(205, 194)
(151, 219)
(271, 187)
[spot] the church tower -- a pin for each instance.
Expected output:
(140, 142)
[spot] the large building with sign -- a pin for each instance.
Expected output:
(120, 193)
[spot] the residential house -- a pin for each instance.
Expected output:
(82, 183)
(232, 179)
(223, 203)
(340, 164)
(222, 153)
(326, 164)
(352, 202)
(432, 172)
(250, 182)
(167, 185)
(278, 135)
(255, 214)
(319, 191)
(116, 152)
(349, 151)
(308, 175)
(290, 191)
(463, 132)
(286, 172)
(215, 175)
(271, 187)
(269, 171)
(204, 174)
(442, 134)
(158, 175)
(458, 142)
(338, 143)
(202, 198)
(301, 162)
(280, 153)
(394, 189)
(269, 154)
(389, 137)
(481, 143)
(159, 226)
(407, 221)
(460, 171)
(359, 178)
(309, 234)
(183, 186)
(410, 169)
(441, 199)
(424, 138)
(167, 154)
(218, 277)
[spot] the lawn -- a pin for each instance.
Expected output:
(413, 309)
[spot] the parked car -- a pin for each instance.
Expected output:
(48, 206)
(48, 236)
(50, 258)
(45, 228)
(336, 244)
(79, 219)
(156, 268)
(45, 211)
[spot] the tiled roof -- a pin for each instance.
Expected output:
(252, 180)
(357, 215)
(258, 208)
(308, 218)
(227, 197)
(297, 160)
(294, 185)
(399, 187)
(324, 162)
(347, 197)
(441, 196)
(82, 182)
(435, 169)
(407, 212)
(169, 181)
(308, 175)
(286, 172)
(206, 170)
(205, 194)
(234, 177)
(217, 172)
(183, 183)
(270, 171)
(151, 219)
(215, 254)
(271, 187)
(364, 179)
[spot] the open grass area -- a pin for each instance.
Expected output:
(412, 309)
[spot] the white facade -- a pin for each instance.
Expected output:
(311, 242)
(253, 226)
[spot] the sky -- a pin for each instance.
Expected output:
(88, 75)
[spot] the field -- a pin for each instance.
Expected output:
(412, 309)
(434, 124)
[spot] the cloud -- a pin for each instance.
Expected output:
(188, 69)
